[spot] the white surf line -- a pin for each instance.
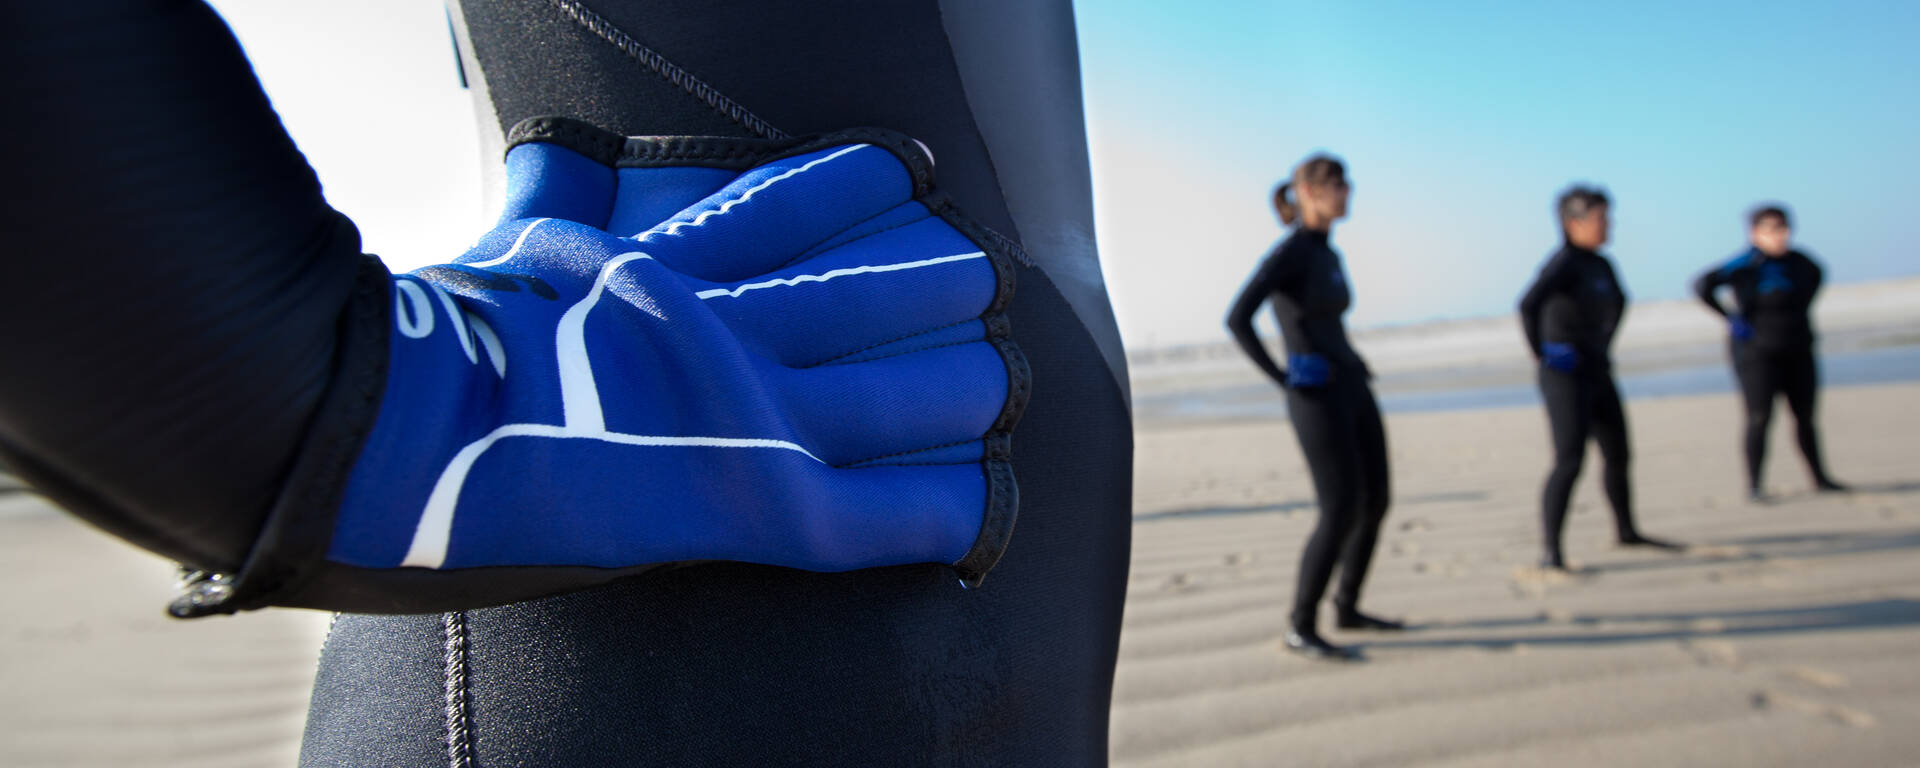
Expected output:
(831, 274)
(435, 529)
(510, 251)
(674, 228)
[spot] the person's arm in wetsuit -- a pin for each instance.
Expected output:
(1616, 309)
(1551, 278)
(1274, 272)
(1707, 286)
(1811, 290)
(210, 349)
(180, 287)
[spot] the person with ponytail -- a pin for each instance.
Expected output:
(1770, 337)
(1569, 315)
(1329, 400)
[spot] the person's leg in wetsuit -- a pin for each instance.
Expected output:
(1800, 381)
(732, 664)
(1323, 421)
(1609, 429)
(1766, 373)
(1760, 381)
(1579, 406)
(1569, 400)
(1344, 443)
(1370, 435)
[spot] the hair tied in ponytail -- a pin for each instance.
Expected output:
(1288, 210)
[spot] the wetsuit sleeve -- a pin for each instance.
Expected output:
(179, 284)
(1707, 287)
(1264, 282)
(1812, 288)
(1550, 279)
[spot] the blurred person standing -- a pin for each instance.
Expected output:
(1570, 315)
(1770, 337)
(1329, 400)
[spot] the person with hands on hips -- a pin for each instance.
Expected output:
(1329, 401)
(1770, 337)
(804, 322)
(1569, 316)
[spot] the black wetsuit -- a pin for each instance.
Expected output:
(1578, 300)
(1773, 297)
(1338, 424)
(188, 293)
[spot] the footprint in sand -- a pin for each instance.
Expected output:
(1816, 677)
(1416, 524)
(1238, 558)
(1403, 548)
(1767, 699)
(1713, 653)
(1534, 580)
(1179, 582)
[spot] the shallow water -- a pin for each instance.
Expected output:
(1408, 394)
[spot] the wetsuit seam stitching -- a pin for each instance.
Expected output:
(458, 727)
(666, 69)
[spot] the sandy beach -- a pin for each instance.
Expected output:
(1786, 636)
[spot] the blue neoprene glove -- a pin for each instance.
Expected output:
(1307, 371)
(670, 350)
(1739, 329)
(1560, 356)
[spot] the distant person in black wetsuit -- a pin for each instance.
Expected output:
(1770, 337)
(1328, 399)
(1570, 314)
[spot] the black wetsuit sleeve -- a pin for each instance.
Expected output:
(177, 281)
(1707, 287)
(1617, 305)
(1534, 301)
(1267, 279)
(1812, 288)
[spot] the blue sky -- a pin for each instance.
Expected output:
(1459, 122)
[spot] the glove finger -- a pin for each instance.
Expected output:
(904, 404)
(550, 181)
(777, 211)
(892, 285)
(620, 502)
